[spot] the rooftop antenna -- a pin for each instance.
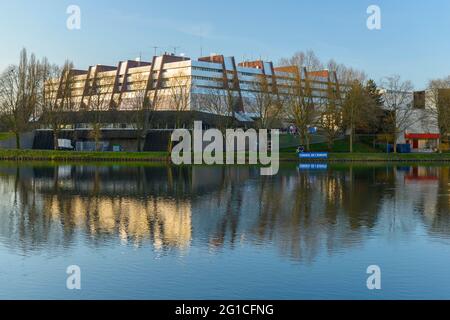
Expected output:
(175, 49)
(155, 48)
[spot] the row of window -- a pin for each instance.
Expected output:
(207, 69)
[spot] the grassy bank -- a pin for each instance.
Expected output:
(6, 135)
(50, 155)
(291, 156)
(362, 152)
(414, 157)
(339, 146)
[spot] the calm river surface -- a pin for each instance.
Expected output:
(160, 232)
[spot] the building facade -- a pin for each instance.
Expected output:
(422, 131)
(213, 84)
(216, 90)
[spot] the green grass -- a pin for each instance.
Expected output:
(339, 146)
(51, 155)
(5, 135)
(362, 152)
(344, 146)
(390, 156)
(45, 156)
(288, 141)
(361, 157)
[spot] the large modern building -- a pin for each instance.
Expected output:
(178, 83)
(178, 90)
(211, 89)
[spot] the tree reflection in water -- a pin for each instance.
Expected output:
(301, 212)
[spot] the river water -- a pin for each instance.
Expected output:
(160, 232)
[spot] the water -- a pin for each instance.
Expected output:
(160, 232)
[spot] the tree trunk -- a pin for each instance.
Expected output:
(308, 147)
(302, 137)
(439, 146)
(17, 140)
(351, 139)
(395, 141)
(139, 142)
(143, 134)
(55, 139)
(96, 139)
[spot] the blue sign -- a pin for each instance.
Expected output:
(312, 130)
(313, 155)
(313, 166)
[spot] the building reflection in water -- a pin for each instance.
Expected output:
(302, 212)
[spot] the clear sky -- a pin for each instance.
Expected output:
(413, 41)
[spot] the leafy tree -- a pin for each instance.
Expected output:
(374, 93)
(355, 109)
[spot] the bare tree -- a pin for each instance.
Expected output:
(301, 108)
(214, 100)
(331, 116)
(306, 107)
(265, 103)
(308, 60)
(345, 75)
(179, 95)
(143, 107)
(437, 106)
(19, 86)
(56, 95)
(217, 101)
(99, 94)
(397, 95)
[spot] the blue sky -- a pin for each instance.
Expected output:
(413, 41)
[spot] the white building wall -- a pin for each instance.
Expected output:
(419, 122)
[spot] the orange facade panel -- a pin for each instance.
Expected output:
(252, 64)
(213, 59)
(319, 73)
(288, 69)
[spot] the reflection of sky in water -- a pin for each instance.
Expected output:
(216, 232)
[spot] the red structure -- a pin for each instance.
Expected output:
(423, 140)
(425, 136)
